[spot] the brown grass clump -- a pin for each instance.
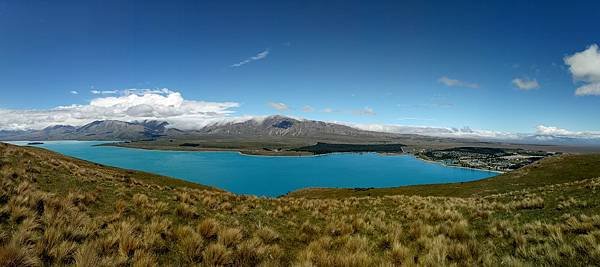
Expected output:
(186, 211)
(208, 228)
(230, 236)
(191, 244)
(400, 255)
(87, 255)
(140, 200)
(248, 253)
(267, 235)
(16, 256)
(529, 203)
(216, 254)
(143, 258)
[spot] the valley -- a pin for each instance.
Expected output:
(285, 136)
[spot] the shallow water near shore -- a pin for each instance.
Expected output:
(271, 176)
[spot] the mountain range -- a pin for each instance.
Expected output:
(275, 127)
(97, 130)
(272, 126)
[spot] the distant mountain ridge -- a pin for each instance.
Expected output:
(272, 126)
(284, 126)
(97, 130)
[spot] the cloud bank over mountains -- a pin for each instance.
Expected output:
(464, 132)
(170, 106)
(130, 105)
(543, 134)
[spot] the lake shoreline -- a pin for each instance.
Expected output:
(248, 153)
(291, 154)
(231, 172)
(457, 166)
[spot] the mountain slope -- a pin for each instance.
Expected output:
(272, 126)
(97, 130)
(285, 126)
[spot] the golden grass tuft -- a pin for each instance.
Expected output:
(16, 256)
(216, 254)
(267, 234)
(230, 237)
(208, 228)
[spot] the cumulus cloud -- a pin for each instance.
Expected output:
(367, 111)
(526, 84)
(457, 83)
(278, 106)
(551, 130)
(74, 92)
(556, 131)
(131, 105)
(585, 67)
(258, 56)
(589, 89)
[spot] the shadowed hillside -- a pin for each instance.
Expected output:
(56, 210)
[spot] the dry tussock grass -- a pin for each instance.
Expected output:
(55, 211)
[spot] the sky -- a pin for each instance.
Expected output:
(489, 66)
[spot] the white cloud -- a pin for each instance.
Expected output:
(464, 132)
(74, 92)
(258, 56)
(308, 109)
(585, 66)
(457, 83)
(143, 104)
(328, 110)
(104, 92)
(551, 130)
(590, 89)
(526, 84)
(278, 106)
(556, 131)
(367, 111)
(542, 133)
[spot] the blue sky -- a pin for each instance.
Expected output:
(380, 62)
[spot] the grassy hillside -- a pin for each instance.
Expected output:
(56, 210)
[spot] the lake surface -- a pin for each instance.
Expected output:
(271, 176)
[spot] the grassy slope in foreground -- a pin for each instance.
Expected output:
(552, 170)
(56, 210)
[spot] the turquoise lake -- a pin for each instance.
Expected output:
(271, 176)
